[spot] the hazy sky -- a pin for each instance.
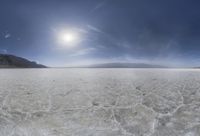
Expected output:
(153, 31)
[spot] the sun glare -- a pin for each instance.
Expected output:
(68, 38)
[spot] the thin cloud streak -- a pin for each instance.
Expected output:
(82, 52)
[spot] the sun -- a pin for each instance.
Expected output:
(68, 38)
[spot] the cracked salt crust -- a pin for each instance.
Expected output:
(99, 102)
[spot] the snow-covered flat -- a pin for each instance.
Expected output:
(99, 102)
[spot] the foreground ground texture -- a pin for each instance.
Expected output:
(99, 102)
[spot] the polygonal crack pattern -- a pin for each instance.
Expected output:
(99, 102)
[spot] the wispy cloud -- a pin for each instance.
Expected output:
(4, 51)
(98, 6)
(83, 52)
(109, 38)
(93, 28)
(7, 36)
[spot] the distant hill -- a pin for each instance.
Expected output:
(125, 65)
(196, 67)
(11, 61)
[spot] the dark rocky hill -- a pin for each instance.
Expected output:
(11, 61)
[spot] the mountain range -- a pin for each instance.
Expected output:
(125, 65)
(11, 61)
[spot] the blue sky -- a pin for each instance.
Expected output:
(158, 31)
